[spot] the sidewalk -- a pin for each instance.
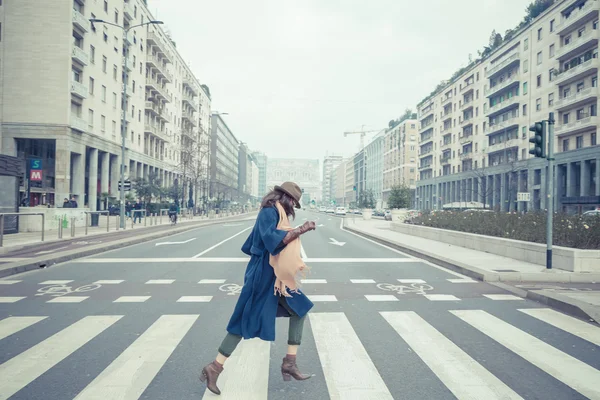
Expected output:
(575, 293)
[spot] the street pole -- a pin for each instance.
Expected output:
(124, 127)
(550, 186)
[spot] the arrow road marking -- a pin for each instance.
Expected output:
(164, 243)
(320, 225)
(335, 242)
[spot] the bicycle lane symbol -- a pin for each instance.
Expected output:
(62, 290)
(417, 288)
(231, 288)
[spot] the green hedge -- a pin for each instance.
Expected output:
(569, 230)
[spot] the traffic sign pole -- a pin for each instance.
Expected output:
(550, 186)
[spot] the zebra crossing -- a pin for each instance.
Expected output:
(347, 365)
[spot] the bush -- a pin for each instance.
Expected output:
(568, 230)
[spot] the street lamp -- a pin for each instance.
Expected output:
(124, 116)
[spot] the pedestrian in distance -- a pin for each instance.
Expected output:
(271, 284)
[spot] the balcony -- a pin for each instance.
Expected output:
(466, 121)
(466, 156)
(509, 144)
(446, 146)
(191, 85)
(156, 111)
(498, 108)
(467, 105)
(576, 73)
(186, 115)
(504, 125)
(128, 11)
(80, 21)
(426, 151)
(445, 160)
(153, 61)
(577, 45)
(157, 90)
(79, 55)
(446, 100)
(509, 83)
(161, 46)
(578, 17)
(426, 138)
(78, 124)
(508, 62)
(576, 99)
(464, 139)
(468, 87)
(186, 98)
(423, 167)
(577, 126)
(79, 90)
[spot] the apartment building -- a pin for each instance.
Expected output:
(374, 168)
(339, 183)
(400, 153)
(330, 163)
(62, 100)
(474, 130)
(261, 161)
(224, 162)
(350, 193)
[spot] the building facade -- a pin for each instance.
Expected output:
(261, 161)
(224, 162)
(339, 183)
(79, 66)
(305, 172)
(255, 194)
(374, 168)
(474, 131)
(330, 163)
(350, 194)
(401, 149)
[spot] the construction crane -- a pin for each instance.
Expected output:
(362, 133)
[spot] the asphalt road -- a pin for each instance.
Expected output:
(141, 321)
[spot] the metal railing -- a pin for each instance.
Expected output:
(87, 219)
(18, 215)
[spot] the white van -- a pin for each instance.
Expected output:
(340, 211)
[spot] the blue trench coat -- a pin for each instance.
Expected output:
(257, 307)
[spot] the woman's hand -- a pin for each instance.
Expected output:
(295, 233)
(308, 226)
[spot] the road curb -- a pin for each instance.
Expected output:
(53, 259)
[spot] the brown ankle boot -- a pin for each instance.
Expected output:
(210, 374)
(289, 369)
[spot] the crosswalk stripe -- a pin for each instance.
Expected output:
(569, 370)
(21, 370)
(246, 373)
(11, 325)
(12, 299)
(462, 375)
(349, 372)
(129, 375)
(571, 325)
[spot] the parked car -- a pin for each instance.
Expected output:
(322, 209)
(330, 210)
(340, 211)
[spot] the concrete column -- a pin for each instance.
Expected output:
(146, 171)
(93, 180)
(62, 172)
(597, 176)
(558, 179)
(104, 173)
(570, 189)
(78, 177)
(115, 175)
(584, 176)
(503, 192)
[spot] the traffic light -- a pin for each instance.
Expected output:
(538, 139)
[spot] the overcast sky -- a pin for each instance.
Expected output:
(294, 75)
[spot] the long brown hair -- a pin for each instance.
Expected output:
(275, 196)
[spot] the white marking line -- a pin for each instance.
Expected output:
(131, 299)
(236, 259)
(568, 324)
(211, 281)
(441, 297)
(12, 325)
(321, 297)
(14, 259)
(8, 282)
(377, 243)
(348, 370)
(24, 368)
(247, 373)
(160, 281)
(303, 252)
(462, 375)
(567, 369)
(68, 299)
(502, 297)
(166, 243)
(109, 281)
(10, 299)
(362, 280)
(54, 282)
(381, 297)
(411, 281)
(129, 375)
(313, 280)
(51, 251)
(194, 299)
(221, 242)
(461, 280)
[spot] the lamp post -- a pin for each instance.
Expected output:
(124, 116)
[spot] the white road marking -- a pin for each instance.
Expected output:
(377, 243)
(246, 375)
(10, 299)
(381, 297)
(131, 299)
(321, 297)
(12, 325)
(109, 281)
(461, 374)
(236, 259)
(54, 282)
(567, 369)
(68, 299)
(51, 251)
(502, 297)
(211, 281)
(221, 242)
(568, 324)
(167, 243)
(303, 252)
(462, 280)
(194, 299)
(336, 243)
(8, 282)
(448, 271)
(24, 368)
(411, 281)
(14, 259)
(362, 280)
(160, 281)
(129, 375)
(441, 297)
(313, 280)
(349, 372)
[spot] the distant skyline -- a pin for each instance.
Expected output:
(294, 76)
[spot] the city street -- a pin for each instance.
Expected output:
(141, 321)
